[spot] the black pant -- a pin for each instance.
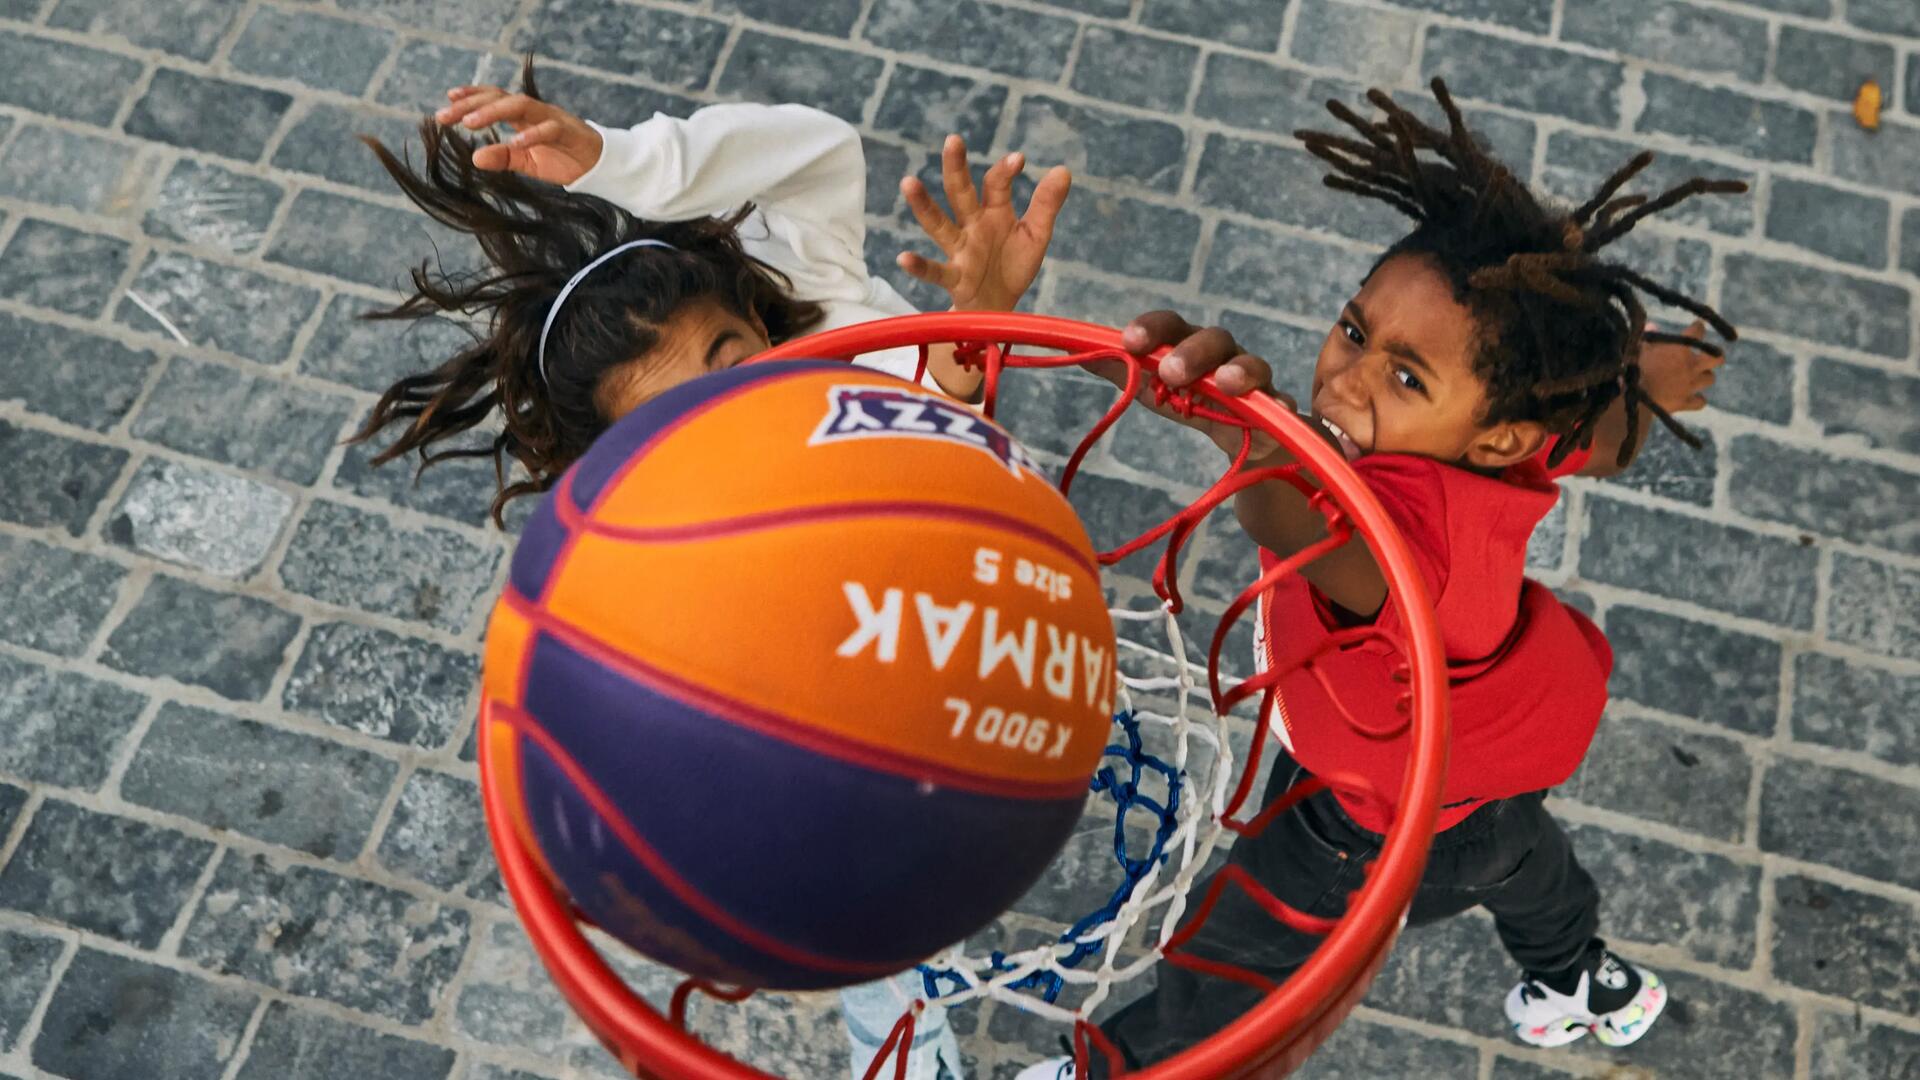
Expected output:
(1509, 855)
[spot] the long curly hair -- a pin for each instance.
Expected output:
(1559, 329)
(535, 237)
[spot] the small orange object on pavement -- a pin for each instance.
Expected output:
(1866, 106)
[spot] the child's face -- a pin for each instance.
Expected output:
(700, 336)
(1395, 374)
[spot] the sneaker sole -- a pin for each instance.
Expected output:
(1641, 1012)
(1558, 1033)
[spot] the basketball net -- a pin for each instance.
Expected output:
(1169, 775)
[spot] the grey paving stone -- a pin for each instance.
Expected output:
(439, 836)
(1838, 224)
(1756, 381)
(1855, 707)
(1025, 44)
(1669, 33)
(1841, 818)
(669, 48)
(1670, 468)
(1850, 944)
(66, 269)
(227, 643)
(53, 599)
(1909, 258)
(213, 206)
(1875, 605)
(216, 115)
(1741, 1032)
(834, 18)
(1695, 669)
(592, 97)
(1506, 1068)
(924, 106)
(294, 1042)
(484, 1071)
(1716, 566)
(1846, 1049)
(121, 878)
(1452, 972)
(1134, 69)
(1547, 547)
(1797, 7)
(1864, 502)
(483, 19)
(60, 727)
(1536, 78)
(424, 72)
(1096, 142)
(506, 998)
(242, 420)
(1166, 451)
(381, 684)
(1833, 65)
(1651, 770)
(350, 942)
(28, 959)
(55, 482)
(886, 167)
(116, 1018)
(331, 54)
(332, 234)
(349, 557)
(1818, 305)
(1729, 119)
(1883, 159)
(189, 28)
(1913, 89)
(1272, 270)
(1248, 24)
(1884, 16)
(1291, 350)
(1119, 235)
(1677, 262)
(1243, 175)
(216, 306)
(1115, 511)
(1266, 97)
(313, 795)
(325, 142)
(1657, 892)
(1359, 1048)
(65, 80)
(1093, 300)
(65, 168)
(1577, 163)
(11, 800)
(884, 245)
(772, 69)
(462, 490)
(216, 522)
(1370, 44)
(1050, 411)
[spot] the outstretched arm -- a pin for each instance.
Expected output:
(1676, 378)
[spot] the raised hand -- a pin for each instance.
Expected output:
(1193, 353)
(1677, 377)
(549, 143)
(992, 254)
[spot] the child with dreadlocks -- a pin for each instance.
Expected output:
(1487, 352)
(626, 262)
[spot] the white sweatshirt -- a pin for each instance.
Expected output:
(806, 174)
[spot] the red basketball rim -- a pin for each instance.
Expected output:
(1270, 1039)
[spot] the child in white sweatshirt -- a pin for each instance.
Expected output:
(627, 261)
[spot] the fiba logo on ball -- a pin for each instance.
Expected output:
(798, 719)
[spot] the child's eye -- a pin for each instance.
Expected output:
(1409, 380)
(1353, 332)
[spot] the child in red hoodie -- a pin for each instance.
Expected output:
(1488, 352)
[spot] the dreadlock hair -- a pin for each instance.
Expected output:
(535, 237)
(1559, 329)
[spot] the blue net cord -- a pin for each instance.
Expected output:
(1127, 798)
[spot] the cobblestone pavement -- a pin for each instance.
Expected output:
(238, 827)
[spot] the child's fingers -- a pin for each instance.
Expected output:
(1197, 355)
(933, 273)
(459, 92)
(493, 157)
(464, 106)
(1154, 329)
(540, 134)
(1243, 375)
(996, 188)
(1047, 199)
(933, 220)
(516, 109)
(956, 178)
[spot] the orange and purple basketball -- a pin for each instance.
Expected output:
(800, 676)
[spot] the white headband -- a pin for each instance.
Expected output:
(541, 355)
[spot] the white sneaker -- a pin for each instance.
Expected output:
(1615, 1000)
(1054, 1068)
